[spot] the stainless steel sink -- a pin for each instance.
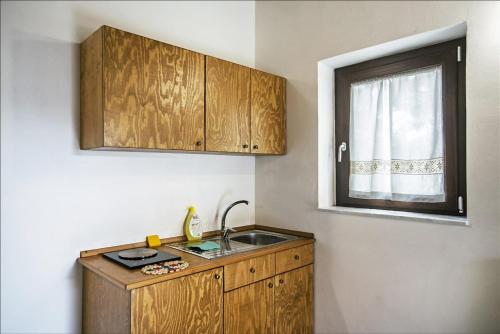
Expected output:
(259, 239)
(238, 242)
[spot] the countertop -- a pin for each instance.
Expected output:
(132, 279)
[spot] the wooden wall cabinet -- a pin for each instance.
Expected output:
(138, 93)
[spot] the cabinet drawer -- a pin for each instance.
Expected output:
(248, 271)
(294, 258)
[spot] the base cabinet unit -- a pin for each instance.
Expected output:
(258, 301)
(281, 305)
(269, 292)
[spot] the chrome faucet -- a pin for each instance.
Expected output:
(225, 231)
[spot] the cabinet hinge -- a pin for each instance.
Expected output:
(460, 204)
(459, 53)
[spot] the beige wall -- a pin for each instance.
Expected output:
(379, 275)
(56, 199)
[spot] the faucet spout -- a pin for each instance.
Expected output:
(225, 232)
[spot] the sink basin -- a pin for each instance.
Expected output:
(238, 242)
(258, 239)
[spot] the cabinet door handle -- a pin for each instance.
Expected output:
(256, 147)
(342, 148)
(252, 270)
(296, 257)
(245, 145)
(198, 143)
(281, 281)
(217, 276)
(270, 285)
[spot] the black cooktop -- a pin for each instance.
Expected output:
(142, 259)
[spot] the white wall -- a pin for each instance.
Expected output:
(381, 275)
(58, 200)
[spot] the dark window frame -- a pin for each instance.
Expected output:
(453, 80)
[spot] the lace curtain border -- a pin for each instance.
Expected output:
(398, 166)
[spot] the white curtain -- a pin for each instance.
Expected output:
(396, 137)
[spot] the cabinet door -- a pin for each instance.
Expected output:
(126, 121)
(190, 304)
(250, 309)
(227, 106)
(268, 119)
(153, 93)
(181, 99)
(293, 308)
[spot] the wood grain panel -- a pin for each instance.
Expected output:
(154, 94)
(123, 87)
(250, 309)
(138, 93)
(293, 301)
(268, 115)
(294, 258)
(181, 97)
(227, 106)
(106, 308)
(248, 271)
(150, 86)
(91, 112)
(190, 304)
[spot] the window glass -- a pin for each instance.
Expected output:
(396, 137)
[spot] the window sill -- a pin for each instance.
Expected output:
(414, 216)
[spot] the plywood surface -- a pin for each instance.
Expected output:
(268, 113)
(106, 307)
(248, 271)
(141, 94)
(180, 99)
(153, 93)
(91, 90)
(250, 309)
(189, 304)
(227, 106)
(294, 258)
(293, 303)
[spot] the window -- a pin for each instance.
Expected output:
(400, 131)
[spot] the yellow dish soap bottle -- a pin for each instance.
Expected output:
(192, 225)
